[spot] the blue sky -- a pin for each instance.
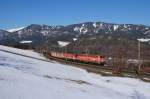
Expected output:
(18, 13)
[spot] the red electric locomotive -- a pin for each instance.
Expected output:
(91, 58)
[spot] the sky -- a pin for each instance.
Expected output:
(19, 13)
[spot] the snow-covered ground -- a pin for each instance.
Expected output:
(26, 78)
(23, 52)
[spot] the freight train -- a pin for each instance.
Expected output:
(91, 59)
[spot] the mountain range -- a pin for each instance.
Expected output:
(97, 31)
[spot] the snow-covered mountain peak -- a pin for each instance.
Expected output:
(116, 27)
(15, 29)
(95, 25)
(81, 29)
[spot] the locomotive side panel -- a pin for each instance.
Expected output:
(91, 58)
(69, 56)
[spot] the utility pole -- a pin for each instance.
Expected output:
(86, 51)
(139, 55)
(66, 49)
(139, 51)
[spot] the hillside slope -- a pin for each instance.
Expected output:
(26, 78)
